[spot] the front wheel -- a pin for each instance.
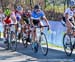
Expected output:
(43, 44)
(13, 42)
(67, 44)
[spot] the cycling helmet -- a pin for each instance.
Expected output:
(72, 3)
(7, 12)
(36, 7)
(19, 8)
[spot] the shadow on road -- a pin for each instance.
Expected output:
(52, 54)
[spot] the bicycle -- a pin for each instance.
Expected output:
(26, 35)
(9, 43)
(68, 43)
(41, 43)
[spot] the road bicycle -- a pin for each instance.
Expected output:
(42, 40)
(9, 42)
(69, 42)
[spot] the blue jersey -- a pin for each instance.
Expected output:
(35, 15)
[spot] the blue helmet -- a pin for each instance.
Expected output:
(19, 8)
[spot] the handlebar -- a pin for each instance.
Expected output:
(40, 26)
(8, 24)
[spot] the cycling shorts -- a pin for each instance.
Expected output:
(35, 22)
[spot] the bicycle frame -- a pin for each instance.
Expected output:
(8, 35)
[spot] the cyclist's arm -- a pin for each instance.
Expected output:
(45, 20)
(74, 15)
(31, 21)
(66, 16)
(4, 20)
(67, 19)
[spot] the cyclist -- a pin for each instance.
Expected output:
(2, 16)
(26, 18)
(26, 15)
(69, 17)
(18, 13)
(36, 16)
(10, 19)
(1, 21)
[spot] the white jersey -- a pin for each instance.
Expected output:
(13, 18)
(13, 21)
(1, 23)
(1, 17)
(69, 12)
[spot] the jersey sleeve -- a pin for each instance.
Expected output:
(42, 14)
(66, 11)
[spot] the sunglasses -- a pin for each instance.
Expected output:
(37, 10)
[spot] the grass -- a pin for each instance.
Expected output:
(52, 45)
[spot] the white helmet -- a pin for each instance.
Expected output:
(72, 3)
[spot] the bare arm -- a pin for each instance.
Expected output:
(46, 21)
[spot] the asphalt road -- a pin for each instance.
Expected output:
(27, 55)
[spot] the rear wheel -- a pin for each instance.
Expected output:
(13, 43)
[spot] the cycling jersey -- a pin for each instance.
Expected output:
(7, 20)
(18, 16)
(26, 17)
(1, 23)
(69, 12)
(37, 16)
(11, 19)
(1, 17)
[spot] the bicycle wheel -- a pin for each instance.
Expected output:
(67, 44)
(13, 43)
(43, 44)
(6, 42)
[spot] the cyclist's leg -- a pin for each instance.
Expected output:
(70, 31)
(34, 39)
(34, 31)
(19, 29)
(23, 27)
(41, 24)
(13, 32)
(69, 27)
(5, 34)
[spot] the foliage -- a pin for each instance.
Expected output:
(52, 15)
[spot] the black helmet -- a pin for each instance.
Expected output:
(36, 7)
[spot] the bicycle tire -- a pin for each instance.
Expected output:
(66, 45)
(45, 48)
(13, 44)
